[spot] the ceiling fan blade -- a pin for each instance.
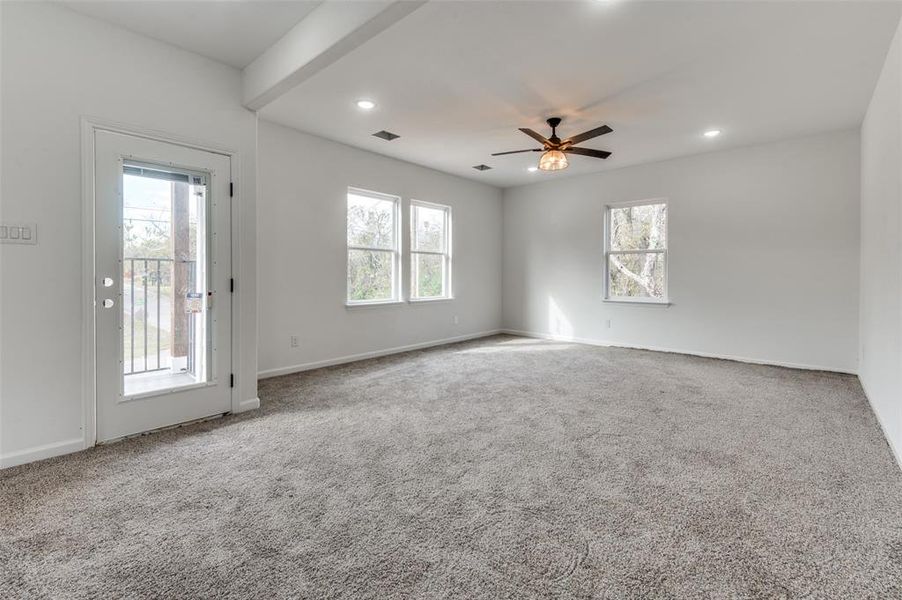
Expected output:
(589, 152)
(517, 151)
(588, 135)
(537, 137)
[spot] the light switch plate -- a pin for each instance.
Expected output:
(18, 233)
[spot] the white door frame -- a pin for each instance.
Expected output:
(89, 388)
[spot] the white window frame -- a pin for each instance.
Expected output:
(396, 251)
(665, 301)
(446, 254)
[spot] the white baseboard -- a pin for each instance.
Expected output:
(744, 359)
(28, 455)
(896, 451)
(246, 405)
(374, 354)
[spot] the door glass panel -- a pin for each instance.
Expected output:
(166, 312)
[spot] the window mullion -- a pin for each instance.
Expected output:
(649, 251)
(369, 249)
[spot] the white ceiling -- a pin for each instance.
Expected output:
(456, 79)
(234, 32)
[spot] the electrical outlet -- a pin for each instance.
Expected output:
(293, 340)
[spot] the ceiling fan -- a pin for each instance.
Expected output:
(555, 150)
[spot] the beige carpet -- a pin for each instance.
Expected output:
(500, 468)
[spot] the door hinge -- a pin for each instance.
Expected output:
(231, 189)
(231, 380)
(232, 285)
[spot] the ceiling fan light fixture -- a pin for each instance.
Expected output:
(553, 160)
(554, 150)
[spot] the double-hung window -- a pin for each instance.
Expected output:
(374, 247)
(636, 252)
(430, 251)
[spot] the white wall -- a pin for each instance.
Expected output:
(58, 66)
(302, 271)
(764, 240)
(763, 254)
(880, 367)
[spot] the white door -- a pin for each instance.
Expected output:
(162, 227)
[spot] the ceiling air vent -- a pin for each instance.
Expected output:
(482, 167)
(386, 135)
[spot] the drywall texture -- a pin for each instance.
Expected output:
(57, 67)
(763, 254)
(302, 253)
(881, 249)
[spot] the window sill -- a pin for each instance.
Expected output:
(430, 300)
(659, 303)
(354, 305)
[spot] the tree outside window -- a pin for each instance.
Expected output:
(636, 253)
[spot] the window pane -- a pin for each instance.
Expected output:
(165, 267)
(638, 227)
(428, 229)
(428, 276)
(371, 222)
(636, 275)
(370, 275)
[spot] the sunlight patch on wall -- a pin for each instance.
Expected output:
(558, 323)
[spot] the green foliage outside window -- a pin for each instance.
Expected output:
(371, 248)
(429, 251)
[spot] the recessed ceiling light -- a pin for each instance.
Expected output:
(366, 104)
(712, 133)
(532, 169)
